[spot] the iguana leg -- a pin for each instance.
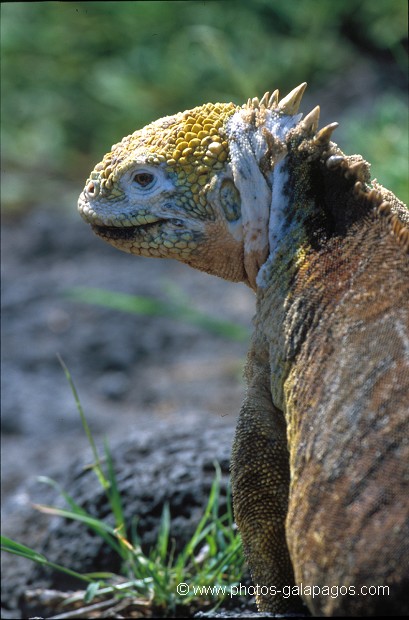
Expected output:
(260, 481)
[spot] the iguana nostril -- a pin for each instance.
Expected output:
(92, 189)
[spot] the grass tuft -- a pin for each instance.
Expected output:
(210, 563)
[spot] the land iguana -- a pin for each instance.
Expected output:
(260, 195)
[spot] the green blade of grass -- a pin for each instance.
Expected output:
(200, 531)
(77, 510)
(95, 524)
(113, 494)
(163, 537)
(103, 530)
(225, 561)
(91, 591)
(11, 546)
(97, 465)
(147, 306)
(114, 498)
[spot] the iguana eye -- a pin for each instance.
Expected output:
(143, 179)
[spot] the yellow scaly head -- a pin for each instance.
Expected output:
(190, 145)
(189, 186)
(151, 195)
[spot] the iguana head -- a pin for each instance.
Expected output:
(195, 186)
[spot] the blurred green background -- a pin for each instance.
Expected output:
(78, 76)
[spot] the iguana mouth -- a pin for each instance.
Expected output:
(130, 232)
(124, 232)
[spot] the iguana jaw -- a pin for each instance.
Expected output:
(144, 229)
(164, 229)
(118, 233)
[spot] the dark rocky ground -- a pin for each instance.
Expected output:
(165, 393)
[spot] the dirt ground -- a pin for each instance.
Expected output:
(134, 374)
(131, 371)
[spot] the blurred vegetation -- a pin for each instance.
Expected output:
(178, 306)
(77, 76)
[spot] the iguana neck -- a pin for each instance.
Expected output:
(324, 226)
(256, 136)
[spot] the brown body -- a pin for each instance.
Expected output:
(320, 460)
(325, 426)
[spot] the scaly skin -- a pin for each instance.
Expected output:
(320, 459)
